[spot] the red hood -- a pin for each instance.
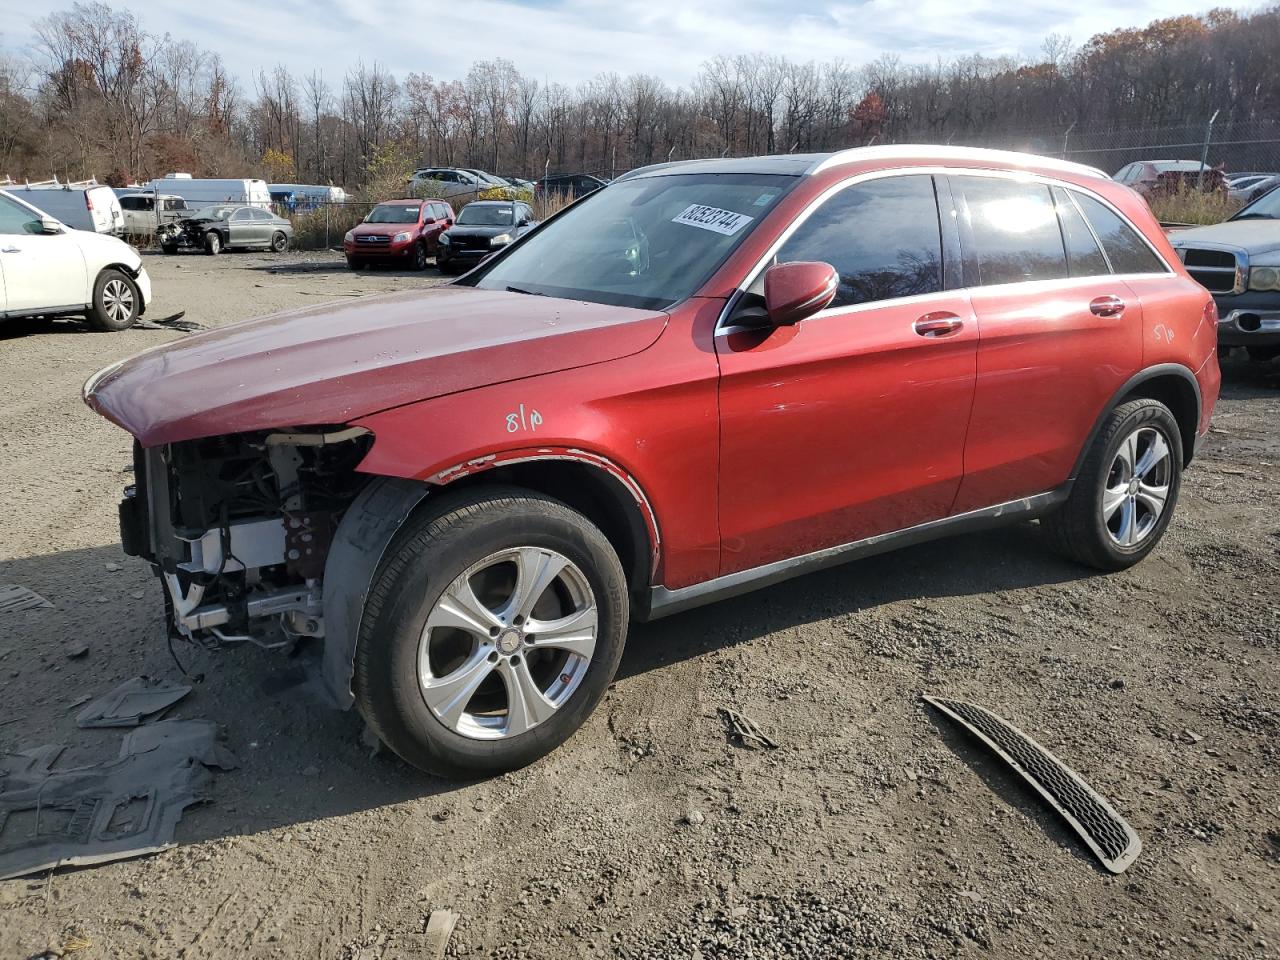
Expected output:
(333, 363)
(383, 229)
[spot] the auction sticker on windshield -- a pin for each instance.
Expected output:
(713, 219)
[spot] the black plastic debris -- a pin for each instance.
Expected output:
(15, 597)
(1107, 833)
(742, 731)
(122, 808)
(173, 321)
(132, 702)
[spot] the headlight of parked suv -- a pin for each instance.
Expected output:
(500, 239)
(1264, 278)
(350, 237)
(401, 237)
(444, 238)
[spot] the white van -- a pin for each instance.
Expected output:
(89, 207)
(202, 192)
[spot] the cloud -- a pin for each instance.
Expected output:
(571, 41)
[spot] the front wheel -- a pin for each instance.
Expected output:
(213, 243)
(1263, 354)
(420, 256)
(1124, 497)
(116, 302)
(492, 630)
(279, 242)
(169, 249)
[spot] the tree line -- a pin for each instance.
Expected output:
(101, 96)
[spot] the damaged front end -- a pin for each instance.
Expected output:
(238, 528)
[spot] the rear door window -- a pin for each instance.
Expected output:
(883, 237)
(1013, 229)
(1084, 256)
(1126, 249)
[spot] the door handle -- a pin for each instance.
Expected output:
(1106, 306)
(936, 325)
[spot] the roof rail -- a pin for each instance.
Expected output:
(933, 152)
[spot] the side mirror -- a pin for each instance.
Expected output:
(794, 291)
(524, 222)
(50, 225)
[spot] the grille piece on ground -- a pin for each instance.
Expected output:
(1105, 831)
(14, 597)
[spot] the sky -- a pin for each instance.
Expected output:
(574, 40)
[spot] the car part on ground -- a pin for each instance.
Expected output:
(132, 702)
(742, 731)
(108, 811)
(1107, 833)
(15, 597)
(680, 346)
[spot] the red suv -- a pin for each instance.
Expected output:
(398, 232)
(704, 378)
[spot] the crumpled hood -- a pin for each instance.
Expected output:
(1256, 236)
(333, 363)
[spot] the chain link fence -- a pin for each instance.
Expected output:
(1237, 146)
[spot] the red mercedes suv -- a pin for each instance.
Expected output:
(704, 378)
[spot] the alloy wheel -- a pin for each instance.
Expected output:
(117, 300)
(508, 643)
(1137, 487)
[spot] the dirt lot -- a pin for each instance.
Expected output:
(873, 830)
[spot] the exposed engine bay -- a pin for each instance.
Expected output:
(238, 527)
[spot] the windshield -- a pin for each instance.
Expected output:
(212, 213)
(648, 243)
(393, 213)
(485, 216)
(1266, 207)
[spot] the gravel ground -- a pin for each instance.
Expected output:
(874, 829)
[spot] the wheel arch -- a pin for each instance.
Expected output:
(1170, 383)
(593, 485)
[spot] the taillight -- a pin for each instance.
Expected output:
(1210, 315)
(88, 201)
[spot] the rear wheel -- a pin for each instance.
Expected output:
(1124, 497)
(213, 243)
(279, 242)
(492, 630)
(116, 301)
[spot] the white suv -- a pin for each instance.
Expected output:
(48, 269)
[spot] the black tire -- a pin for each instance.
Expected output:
(434, 548)
(117, 301)
(213, 243)
(1078, 529)
(279, 242)
(1263, 354)
(420, 257)
(356, 264)
(169, 248)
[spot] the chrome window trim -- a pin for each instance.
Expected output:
(723, 328)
